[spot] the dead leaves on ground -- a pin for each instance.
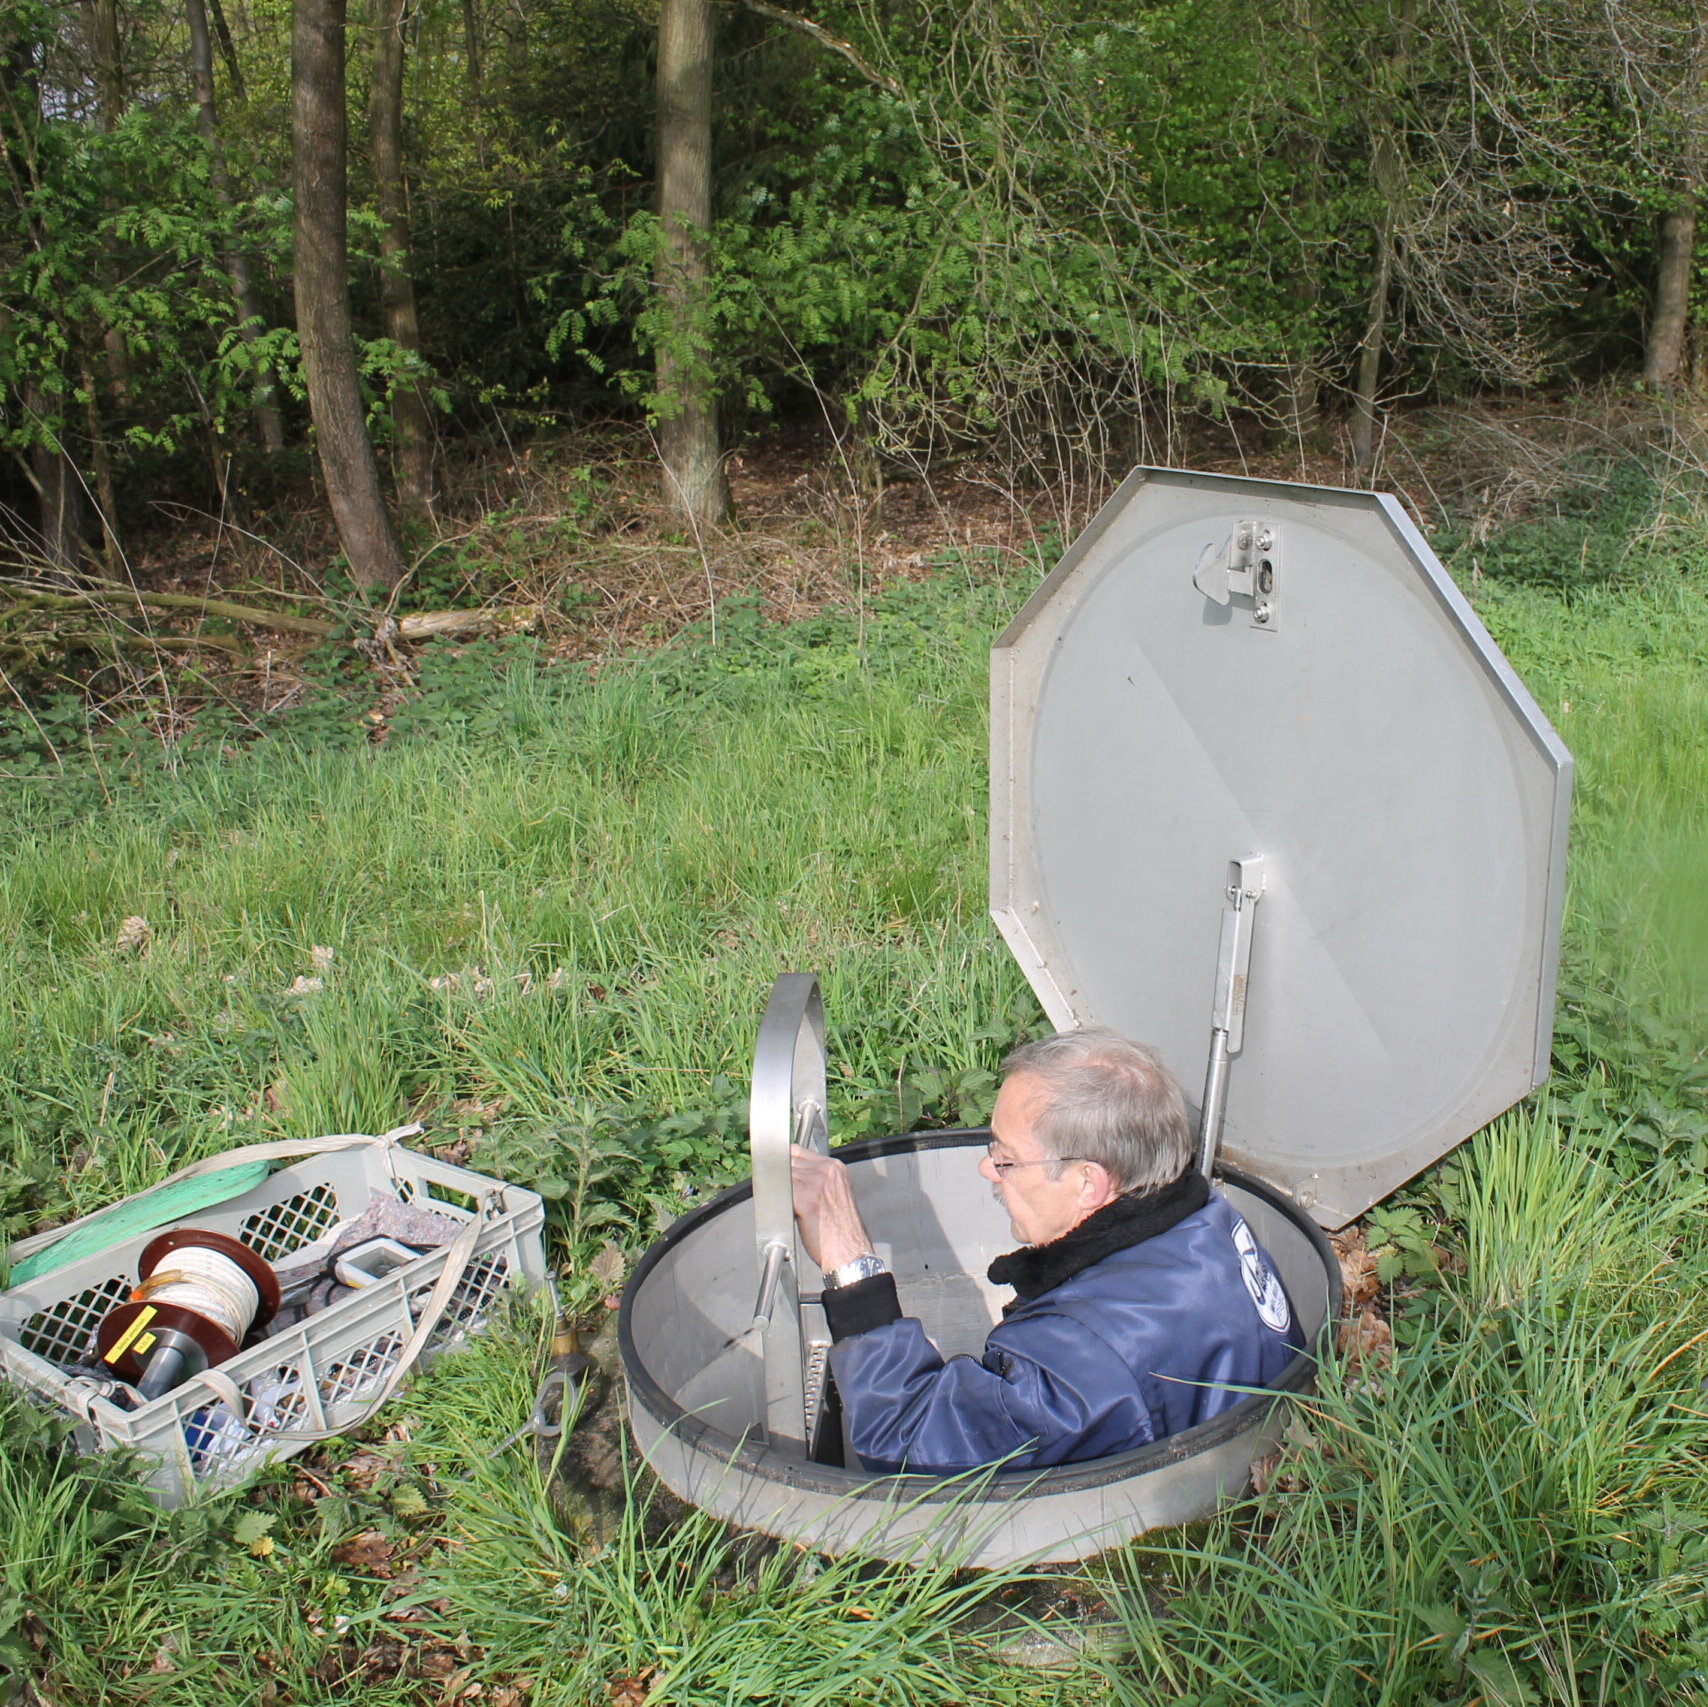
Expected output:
(1365, 1340)
(367, 1551)
(1367, 1343)
(1359, 1281)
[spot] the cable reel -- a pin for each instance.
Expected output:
(188, 1314)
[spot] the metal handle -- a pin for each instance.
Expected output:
(557, 1404)
(786, 1106)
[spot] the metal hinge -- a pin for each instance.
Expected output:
(1246, 565)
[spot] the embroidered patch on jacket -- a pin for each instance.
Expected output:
(1261, 1281)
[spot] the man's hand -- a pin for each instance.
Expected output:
(831, 1228)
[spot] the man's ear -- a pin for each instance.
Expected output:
(1096, 1187)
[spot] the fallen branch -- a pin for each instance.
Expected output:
(426, 625)
(155, 642)
(418, 625)
(225, 609)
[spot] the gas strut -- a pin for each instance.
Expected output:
(1227, 1021)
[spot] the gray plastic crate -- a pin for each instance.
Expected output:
(320, 1374)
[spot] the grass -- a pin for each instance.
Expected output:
(564, 910)
(553, 902)
(680, 1607)
(1516, 1511)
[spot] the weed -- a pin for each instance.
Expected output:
(675, 1609)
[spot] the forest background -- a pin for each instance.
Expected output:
(1055, 238)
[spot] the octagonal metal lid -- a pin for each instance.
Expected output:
(1222, 668)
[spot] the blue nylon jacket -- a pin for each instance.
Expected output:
(1141, 1345)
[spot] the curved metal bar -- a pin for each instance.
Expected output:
(786, 1106)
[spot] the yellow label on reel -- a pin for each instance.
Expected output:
(125, 1340)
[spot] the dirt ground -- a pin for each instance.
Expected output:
(570, 540)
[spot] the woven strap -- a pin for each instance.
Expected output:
(457, 1256)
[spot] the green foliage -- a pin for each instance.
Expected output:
(1610, 519)
(1402, 1242)
(114, 253)
(1046, 229)
(71, 1526)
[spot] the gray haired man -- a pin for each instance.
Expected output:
(1143, 1304)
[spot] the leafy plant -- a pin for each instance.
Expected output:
(1402, 1242)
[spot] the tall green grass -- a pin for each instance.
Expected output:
(554, 900)
(698, 1613)
(1623, 672)
(1515, 1512)
(567, 908)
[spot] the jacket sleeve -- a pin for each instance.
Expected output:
(1038, 1396)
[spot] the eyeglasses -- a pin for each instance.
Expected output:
(1036, 1162)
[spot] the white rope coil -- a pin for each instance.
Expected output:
(209, 1283)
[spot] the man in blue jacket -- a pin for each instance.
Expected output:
(1143, 1304)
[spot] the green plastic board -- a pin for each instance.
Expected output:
(138, 1214)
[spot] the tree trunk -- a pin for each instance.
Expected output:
(1301, 396)
(267, 415)
(1669, 318)
(106, 499)
(109, 77)
(1663, 360)
(1370, 351)
(59, 493)
(1387, 178)
(109, 108)
(1305, 152)
(694, 484)
(471, 53)
(51, 473)
(227, 50)
(411, 417)
(322, 287)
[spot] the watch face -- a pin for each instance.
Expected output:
(861, 1268)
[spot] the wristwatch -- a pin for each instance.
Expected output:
(866, 1266)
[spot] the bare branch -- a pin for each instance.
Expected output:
(824, 38)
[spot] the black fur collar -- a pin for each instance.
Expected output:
(1034, 1270)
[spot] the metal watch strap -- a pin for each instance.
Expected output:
(863, 1267)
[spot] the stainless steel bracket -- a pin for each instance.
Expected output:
(786, 1106)
(1244, 889)
(1247, 566)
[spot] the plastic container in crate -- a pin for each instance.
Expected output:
(308, 1380)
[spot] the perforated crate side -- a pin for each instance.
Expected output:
(319, 1373)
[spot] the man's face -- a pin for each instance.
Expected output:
(1040, 1207)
